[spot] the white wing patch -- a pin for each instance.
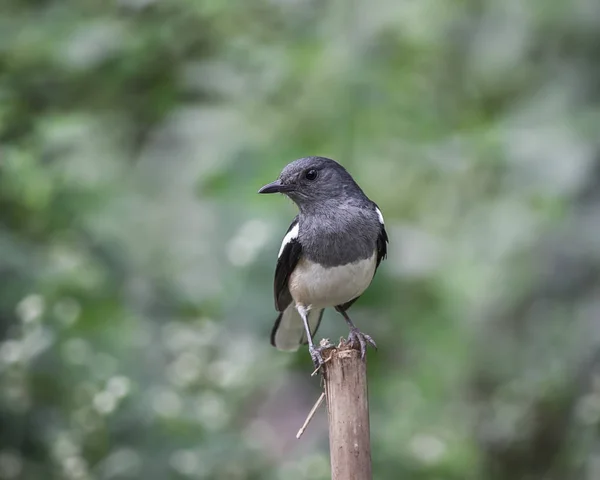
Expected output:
(291, 235)
(380, 215)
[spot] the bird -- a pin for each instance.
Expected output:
(329, 254)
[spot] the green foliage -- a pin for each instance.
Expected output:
(136, 259)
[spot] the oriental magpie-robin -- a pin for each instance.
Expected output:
(329, 254)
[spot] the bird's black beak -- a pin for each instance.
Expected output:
(273, 187)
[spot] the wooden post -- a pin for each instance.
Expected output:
(345, 376)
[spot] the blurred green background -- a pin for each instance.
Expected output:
(136, 259)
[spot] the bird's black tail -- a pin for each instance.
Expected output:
(288, 332)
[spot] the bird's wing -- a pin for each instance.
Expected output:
(382, 239)
(289, 254)
(288, 332)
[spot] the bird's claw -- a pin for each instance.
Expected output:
(356, 336)
(317, 358)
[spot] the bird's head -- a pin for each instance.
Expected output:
(311, 180)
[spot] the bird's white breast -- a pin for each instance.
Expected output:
(315, 286)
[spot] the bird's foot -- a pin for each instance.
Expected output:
(315, 354)
(356, 336)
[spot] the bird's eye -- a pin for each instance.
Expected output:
(311, 174)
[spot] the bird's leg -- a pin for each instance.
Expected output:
(356, 335)
(315, 352)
